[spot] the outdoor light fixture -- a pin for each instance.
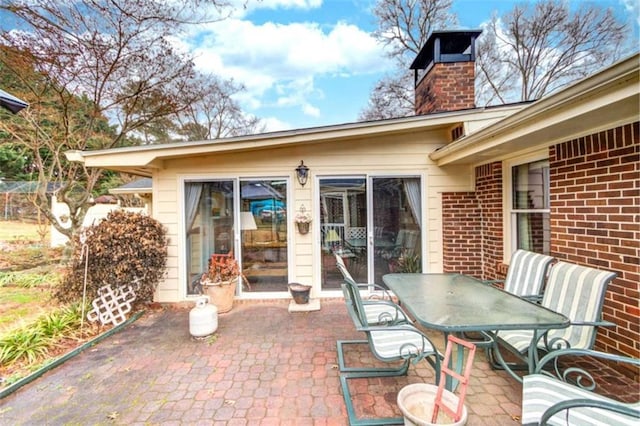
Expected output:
(302, 172)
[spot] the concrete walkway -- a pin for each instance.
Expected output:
(264, 366)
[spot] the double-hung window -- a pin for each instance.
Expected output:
(529, 206)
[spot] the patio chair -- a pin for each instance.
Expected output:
(379, 308)
(388, 343)
(574, 291)
(561, 391)
(526, 275)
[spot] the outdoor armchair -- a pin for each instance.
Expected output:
(574, 291)
(389, 344)
(527, 274)
(561, 392)
(379, 308)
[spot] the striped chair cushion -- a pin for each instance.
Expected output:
(575, 291)
(540, 392)
(389, 345)
(527, 272)
(381, 313)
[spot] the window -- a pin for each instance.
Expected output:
(529, 207)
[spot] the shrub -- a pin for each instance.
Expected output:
(123, 249)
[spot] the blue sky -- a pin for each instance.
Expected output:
(308, 63)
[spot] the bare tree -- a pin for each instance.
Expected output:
(214, 113)
(403, 26)
(95, 73)
(535, 49)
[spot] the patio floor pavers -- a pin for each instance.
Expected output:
(265, 366)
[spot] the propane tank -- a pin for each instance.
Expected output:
(203, 318)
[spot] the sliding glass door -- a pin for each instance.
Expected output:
(244, 218)
(397, 226)
(343, 229)
(263, 214)
(374, 224)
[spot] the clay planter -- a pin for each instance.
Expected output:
(221, 294)
(300, 293)
(303, 227)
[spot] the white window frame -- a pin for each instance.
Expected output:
(509, 225)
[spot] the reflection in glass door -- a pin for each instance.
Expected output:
(397, 226)
(343, 229)
(212, 211)
(263, 216)
(374, 224)
(209, 226)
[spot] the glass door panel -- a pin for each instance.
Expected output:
(209, 224)
(263, 217)
(397, 225)
(343, 229)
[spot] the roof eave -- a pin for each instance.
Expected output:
(141, 160)
(613, 99)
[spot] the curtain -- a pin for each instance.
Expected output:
(193, 191)
(412, 191)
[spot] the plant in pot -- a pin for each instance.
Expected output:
(221, 280)
(303, 220)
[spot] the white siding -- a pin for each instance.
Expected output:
(406, 154)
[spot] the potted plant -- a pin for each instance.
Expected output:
(221, 280)
(303, 220)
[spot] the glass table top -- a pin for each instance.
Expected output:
(456, 302)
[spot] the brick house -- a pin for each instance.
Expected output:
(458, 188)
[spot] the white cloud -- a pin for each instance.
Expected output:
(284, 60)
(273, 124)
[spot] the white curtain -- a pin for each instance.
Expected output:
(193, 191)
(412, 191)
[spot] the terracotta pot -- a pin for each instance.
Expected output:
(303, 228)
(221, 294)
(300, 293)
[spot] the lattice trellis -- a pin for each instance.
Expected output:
(111, 306)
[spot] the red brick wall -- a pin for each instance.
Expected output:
(489, 194)
(446, 87)
(595, 221)
(461, 233)
(472, 226)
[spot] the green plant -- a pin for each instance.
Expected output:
(409, 263)
(60, 322)
(24, 343)
(123, 249)
(28, 279)
(31, 342)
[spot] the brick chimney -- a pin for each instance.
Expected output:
(444, 72)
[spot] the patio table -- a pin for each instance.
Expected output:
(457, 303)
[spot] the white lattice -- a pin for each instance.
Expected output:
(111, 306)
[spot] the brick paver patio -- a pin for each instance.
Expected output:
(265, 366)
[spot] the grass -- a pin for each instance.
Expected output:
(18, 231)
(19, 305)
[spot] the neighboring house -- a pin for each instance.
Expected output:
(94, 215)
(456, 188)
